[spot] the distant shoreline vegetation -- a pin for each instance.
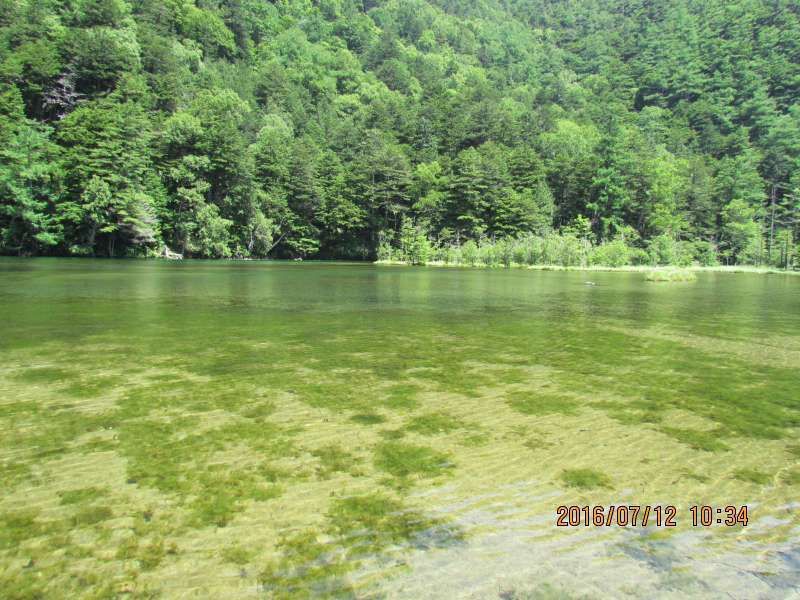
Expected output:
(652, 273)
(640, 132)
(567, 249)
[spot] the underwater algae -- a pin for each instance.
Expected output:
(330, 430)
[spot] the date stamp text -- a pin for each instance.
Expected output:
(635, 515)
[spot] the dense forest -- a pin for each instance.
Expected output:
(628, 131)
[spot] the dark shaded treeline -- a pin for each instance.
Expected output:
(296, 128)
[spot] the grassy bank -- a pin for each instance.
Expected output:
(645, 269)
(571, 250)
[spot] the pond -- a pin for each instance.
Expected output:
(268, 429)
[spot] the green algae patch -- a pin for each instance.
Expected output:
(82, 495)
(334, 459)
(536, 443)
(405, 460)
(152, 555)
(708, 441)
(542, 592)
(238, 555)
(294, 464)
(368, 419)
(221, 494)
(17, 527)
(93, 387)
(585, 479)
(44, 375)
(632, 412)
(401, 396)
(374, 522)
(791, 477)
(91, 515)
(435, 423)
(670, 276)
(316, 563)
(217, 508)
(697, 476)
(536, 403)
(307, 568)
(752, 476)
(475, 440)
(335, 396)
(259, 411)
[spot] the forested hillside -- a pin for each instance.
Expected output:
(342, 128)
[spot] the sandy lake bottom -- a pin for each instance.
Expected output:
(237, 430)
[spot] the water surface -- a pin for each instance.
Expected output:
(252, 429)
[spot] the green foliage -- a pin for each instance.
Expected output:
(705, 253)
(670, 276)
(212, 234)
(741, 233)
(666, 250)
(411, 132)
(31, 177)
(613, 254)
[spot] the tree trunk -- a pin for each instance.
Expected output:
(92, 236)
(771, 223)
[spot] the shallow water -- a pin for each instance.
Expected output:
(247, 429)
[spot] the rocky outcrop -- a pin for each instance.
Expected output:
(170, 255)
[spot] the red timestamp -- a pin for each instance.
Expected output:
(630, 515)
(731, 516)
(634, 515)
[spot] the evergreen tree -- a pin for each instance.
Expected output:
(247, 128)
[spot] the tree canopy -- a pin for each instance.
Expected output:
(225, 128)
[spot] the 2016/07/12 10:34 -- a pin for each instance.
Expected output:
(644, 515)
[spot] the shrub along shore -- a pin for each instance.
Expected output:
(568, 251)
(647, 269)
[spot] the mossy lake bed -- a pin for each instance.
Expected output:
(277, 430)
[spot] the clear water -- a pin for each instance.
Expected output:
(246, 429)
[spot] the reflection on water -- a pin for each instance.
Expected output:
(282, 430)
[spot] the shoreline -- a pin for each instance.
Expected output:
(601, 268)
(439, 264)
